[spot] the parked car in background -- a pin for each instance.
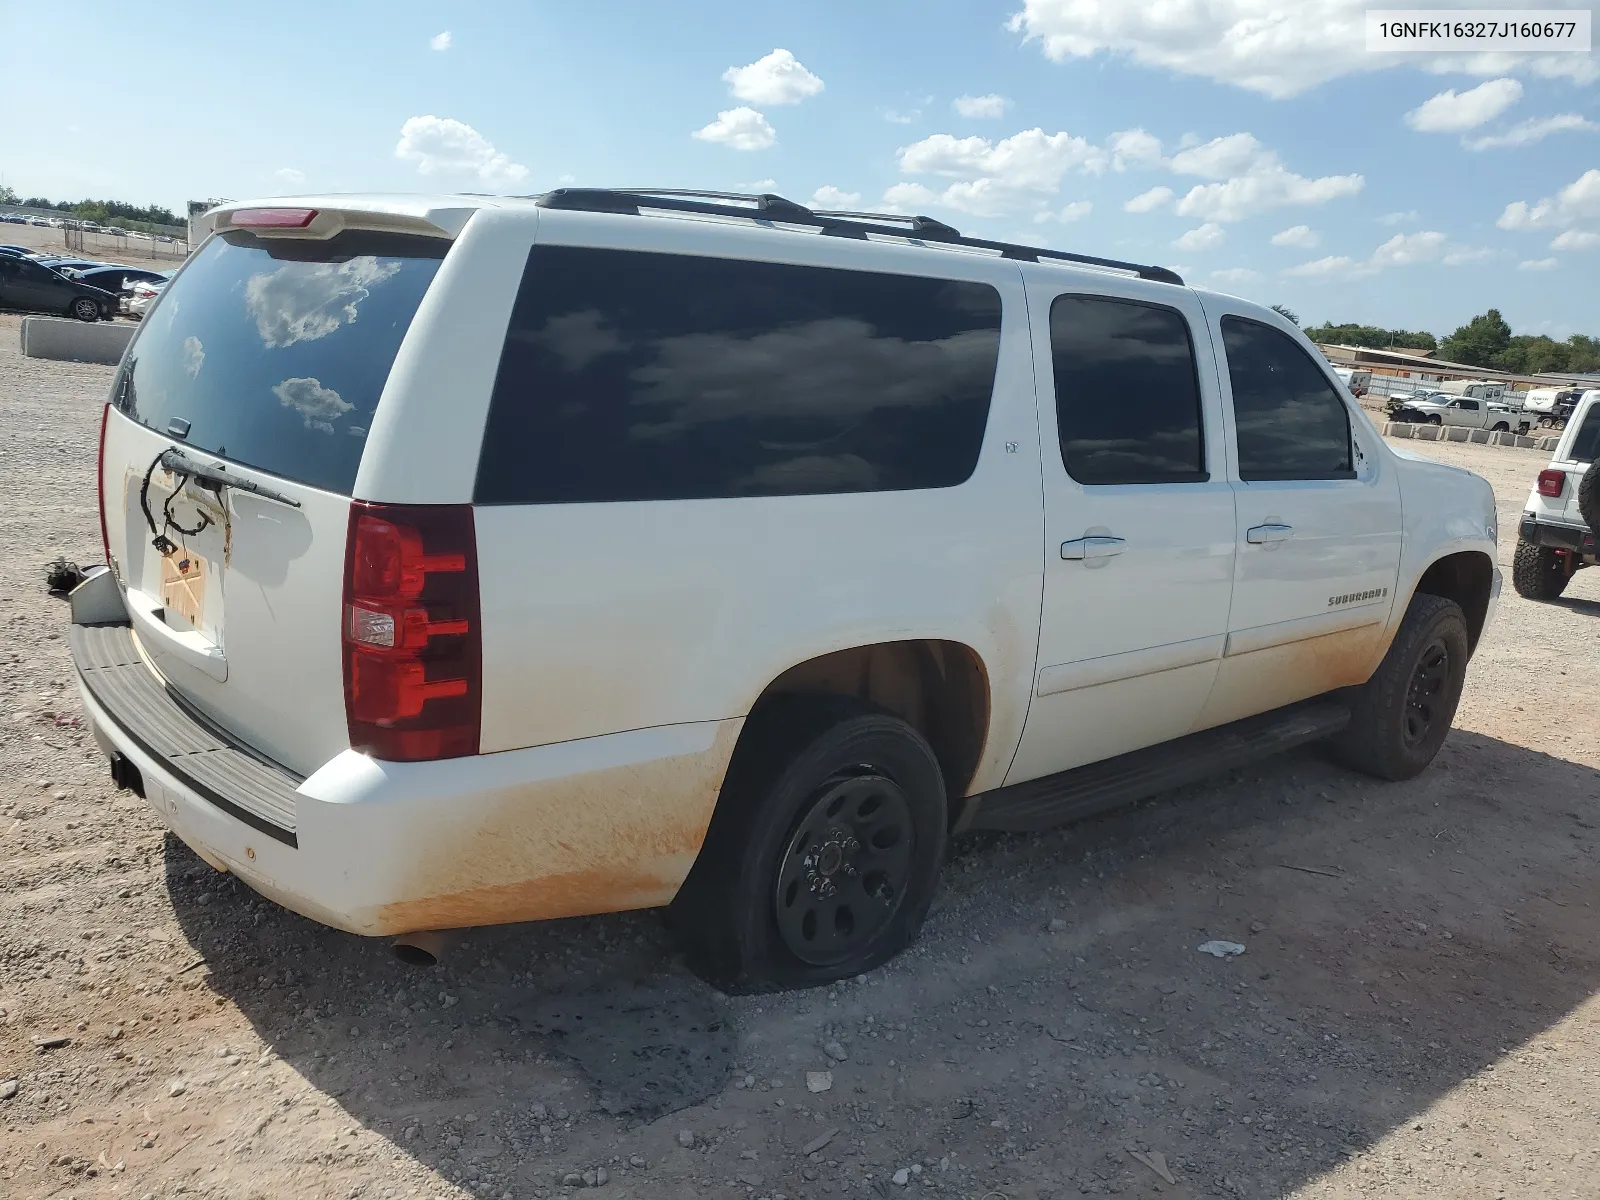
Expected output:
(141, 296)
(33, 287)
(62, 262)
(1556, 537)
(1441, 408)
(117, 279)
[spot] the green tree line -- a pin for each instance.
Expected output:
(1484, 341)
(102, 211)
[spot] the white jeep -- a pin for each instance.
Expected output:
(483, 560)
(1556, 536)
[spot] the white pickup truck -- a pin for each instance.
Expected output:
(1469, 412)
(478, 560)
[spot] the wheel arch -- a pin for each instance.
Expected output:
(1467, 577)
(941, 688)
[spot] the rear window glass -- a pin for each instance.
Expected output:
(644, 376)
(1586, 442)
(275, 352)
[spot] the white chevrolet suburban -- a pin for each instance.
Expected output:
(480, 560)
(1556, 536)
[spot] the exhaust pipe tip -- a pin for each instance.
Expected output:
(422, 949)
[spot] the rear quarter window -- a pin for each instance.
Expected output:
(275, 352)
(1586, 442)
(647, 376)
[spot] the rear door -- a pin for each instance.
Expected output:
(1139, 521)
(1319, 530)
(267, 356)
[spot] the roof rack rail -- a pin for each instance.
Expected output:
(769, 207)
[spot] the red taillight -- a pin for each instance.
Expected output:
(1552, 483)
(100, 482)
(413, 643)
(272, 218)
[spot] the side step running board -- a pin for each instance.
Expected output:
(1096, 787)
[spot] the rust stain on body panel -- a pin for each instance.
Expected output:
(604, 841)
(1266, 679)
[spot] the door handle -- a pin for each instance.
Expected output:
(1098, 546)
(1266, 535)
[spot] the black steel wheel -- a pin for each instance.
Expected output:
(845, 871)
(1401, 716)
(1425, 696)
(824, 850)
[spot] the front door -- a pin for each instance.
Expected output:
(1319, 532)
(1139, 522)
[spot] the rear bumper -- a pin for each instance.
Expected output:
(1557, 536)
(371, 847)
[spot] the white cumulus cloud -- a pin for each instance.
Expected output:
(1538, 264)
(1075, 211)
(1264, 46)
(1576, 239)
(444, 146)
(1333, 264)
(1535, 129)
(740, 129)
(1203, 238)
(828, 196)
(776, 78)
(1402, 250)
(1453, 112)
(319, 407)
(1579, 200)
(1149, 201)
(1134, 148)
(1302, 236)
(290, 176)
(440, 41)
(998, 177)
(980, 108)
(1400, 218)
(1252, 179)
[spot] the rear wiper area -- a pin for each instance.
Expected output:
(213, 476)
(217, 474)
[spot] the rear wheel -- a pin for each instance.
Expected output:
(85, 309)
(1402, 715)
(1540, 572)
(1502, 427)
(824, 852)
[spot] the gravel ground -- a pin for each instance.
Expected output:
(1414, 1015)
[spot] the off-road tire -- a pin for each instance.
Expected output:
(1380, 738)
(726, 915)
(1539, 572)
(1589, 497)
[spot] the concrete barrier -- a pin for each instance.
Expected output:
(1549, 443)
(1481, 436)
(75, 341)
(1526, 443)
(1399, 429)
(1456, 433)
(1427, 433)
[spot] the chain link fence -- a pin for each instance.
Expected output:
(125, 247)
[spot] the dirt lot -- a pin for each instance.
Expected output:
(1415, 1014)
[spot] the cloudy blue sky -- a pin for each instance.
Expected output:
(1255, 145)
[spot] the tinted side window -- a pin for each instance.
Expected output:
(1290, 422)
(1127, 396)
(643, 376)
(1469, 405)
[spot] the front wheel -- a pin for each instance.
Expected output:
(1540, 572)
(824, 851)
(1402, 715)
(85, 309)
(1436, 419)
